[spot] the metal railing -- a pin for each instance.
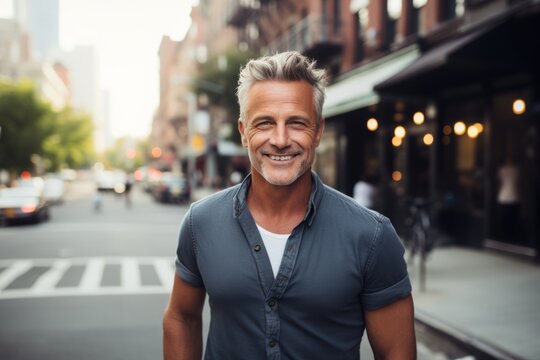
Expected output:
(304, 35)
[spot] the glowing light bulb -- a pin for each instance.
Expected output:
(428, 139)
(460, 128)
(418, 118)
(372, 124)
(472, 132)
(400, 131)
(519, 106)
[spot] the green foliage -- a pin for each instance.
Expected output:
(127, 154)
(30, 127)
(25, 122)
(219, 84)
(70, 144)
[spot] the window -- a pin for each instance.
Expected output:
(452, 9)
(417, 20)
(360, 9)
(393, 12)
(337, 16)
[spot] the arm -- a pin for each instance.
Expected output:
(182, 322)
(391, 330)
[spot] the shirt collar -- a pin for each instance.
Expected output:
(240, 197)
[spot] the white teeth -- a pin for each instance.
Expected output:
(280, 158)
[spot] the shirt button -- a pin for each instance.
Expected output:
(257, 248)
(272, 343)
(272, 302)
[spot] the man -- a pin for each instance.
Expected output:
(292, 268)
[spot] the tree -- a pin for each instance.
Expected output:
(32, 130)
(127, 154)
(218, 79)
(25, 120)
(70, 142)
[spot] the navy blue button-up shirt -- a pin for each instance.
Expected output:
(340, 261)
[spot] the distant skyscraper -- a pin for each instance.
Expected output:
(86, 94)
(40, 18)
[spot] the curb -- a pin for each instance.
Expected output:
(479, 348)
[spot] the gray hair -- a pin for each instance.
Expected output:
(285, 66)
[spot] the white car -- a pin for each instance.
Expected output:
(111, 180)
(54, 190)
(22, 204)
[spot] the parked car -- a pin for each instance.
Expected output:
(37, 183)
(111, 180)
(22, 204)
(54, 190)
(171, 189)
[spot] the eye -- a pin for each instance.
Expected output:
(263, 124)
(297, 123)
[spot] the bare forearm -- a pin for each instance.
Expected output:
(182, 339)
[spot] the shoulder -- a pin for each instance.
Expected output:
(342, 207)
(213, 204)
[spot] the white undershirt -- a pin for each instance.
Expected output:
(275, 246)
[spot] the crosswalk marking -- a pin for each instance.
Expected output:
(90, 283)
(13, 272)
(131, 277)
(164, 272)
(49, 280)
(91, 278)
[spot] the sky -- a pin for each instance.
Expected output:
(126, 35)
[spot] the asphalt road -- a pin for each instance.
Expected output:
(88, 284)
(93, 284)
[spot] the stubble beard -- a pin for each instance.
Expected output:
(259, 167)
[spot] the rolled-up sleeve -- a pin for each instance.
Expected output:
(186, 253)
(386, 279)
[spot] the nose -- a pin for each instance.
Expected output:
(280, 136)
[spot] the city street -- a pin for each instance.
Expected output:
(93, 285)
(86, 284)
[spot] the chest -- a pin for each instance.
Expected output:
(317, 272)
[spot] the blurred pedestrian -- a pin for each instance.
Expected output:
(127, 189)
(364, 192)
(508, 200)
(293, 268)
(98, 200)
(235, 178)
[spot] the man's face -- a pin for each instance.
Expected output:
(280, 130)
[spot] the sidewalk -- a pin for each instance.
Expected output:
(486, 300)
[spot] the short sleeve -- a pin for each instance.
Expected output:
(386, 279)
(186, 255)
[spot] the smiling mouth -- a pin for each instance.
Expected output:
(281, 158)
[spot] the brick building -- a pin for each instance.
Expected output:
(436, 81)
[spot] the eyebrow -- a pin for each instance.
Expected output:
(270, 117)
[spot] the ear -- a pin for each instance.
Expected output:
(320, 132)
(241, 130)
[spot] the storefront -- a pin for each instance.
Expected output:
(481, 89)
(349, 150)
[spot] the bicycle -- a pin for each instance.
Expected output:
(419, 240)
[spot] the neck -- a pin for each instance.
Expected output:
(279, 208)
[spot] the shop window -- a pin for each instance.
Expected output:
(514, 190)
(418, 168)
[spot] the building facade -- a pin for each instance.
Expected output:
(40, 19)
(433, 99)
